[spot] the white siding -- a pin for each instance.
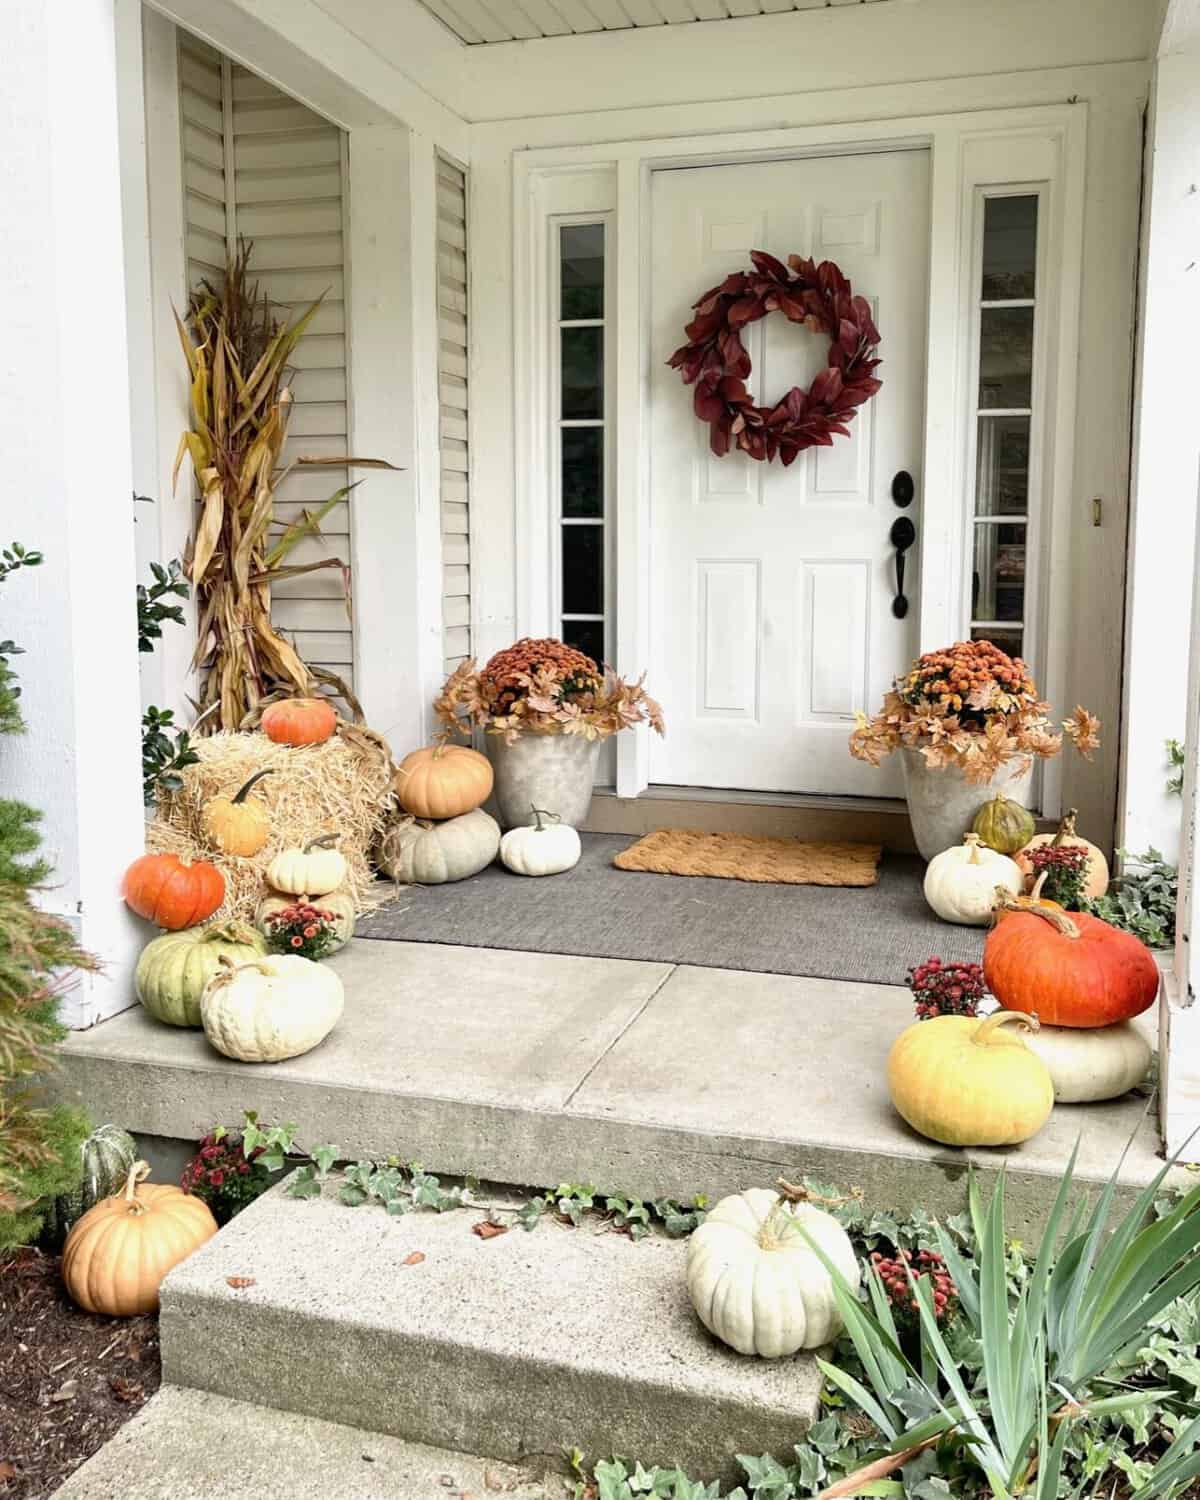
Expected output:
(452, 426)
(261, 166)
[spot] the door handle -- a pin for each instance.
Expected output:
(902, 535)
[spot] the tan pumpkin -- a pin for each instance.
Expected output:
(442, 781)
(116, 1256)
(340, 904)
(315, 870)
(235, 826)
(1097, 876)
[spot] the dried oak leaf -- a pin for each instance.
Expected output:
(486, 1230)
(414, 1258)
(125, 1390)
(238, 1282)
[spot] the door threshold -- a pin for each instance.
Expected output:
(819, 819)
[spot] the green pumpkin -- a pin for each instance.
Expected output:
(173, 969)
(107, 1155)
(1004, 825)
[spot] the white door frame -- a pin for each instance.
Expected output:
(968, 151)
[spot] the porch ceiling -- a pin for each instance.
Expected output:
(479, 22)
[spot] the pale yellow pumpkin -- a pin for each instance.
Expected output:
(116, 1256)
(967, 1082)
(235, 826)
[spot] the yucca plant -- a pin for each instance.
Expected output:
(238, 356)
(1048, 1335)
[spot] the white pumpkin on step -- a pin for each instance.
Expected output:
(276, 1007)
(755, 1280)
(960, 883)
(419, 853)
(1087, 1064)
(547, 846)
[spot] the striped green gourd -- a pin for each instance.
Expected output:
(107, 1155)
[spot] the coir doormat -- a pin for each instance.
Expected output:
(740, 856)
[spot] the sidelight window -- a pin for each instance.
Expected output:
(1005, 501)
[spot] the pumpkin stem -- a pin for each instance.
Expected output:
(138, 1172)
(1066, 828)
(326, 841)
(228, 932)
(1000, 1018)
(539, 813)
(258, 776)
(777, 1225)
(1059, 920)
(1039, 885)
(973, 843)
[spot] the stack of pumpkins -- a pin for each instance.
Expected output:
(254, 1005)
(445, 834)
(1073, 985)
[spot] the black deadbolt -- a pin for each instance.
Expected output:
(903, 489)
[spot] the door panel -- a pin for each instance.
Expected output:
(772, 587)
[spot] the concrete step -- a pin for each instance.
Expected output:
(516, 1347)
(191, 1445)
(641, 1078)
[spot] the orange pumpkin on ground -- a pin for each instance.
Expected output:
(172, 893)
(299, 721)
(443, 781)
(1095, 882)
(1066, 968)
(117, 1255)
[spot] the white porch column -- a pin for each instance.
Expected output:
(65, 436)
(1173, 486)
(395, 518)
(1166, 455)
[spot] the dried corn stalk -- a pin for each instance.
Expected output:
(238, 356)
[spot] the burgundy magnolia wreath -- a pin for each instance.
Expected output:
(715, 360)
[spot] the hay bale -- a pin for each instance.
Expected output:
(342, 787)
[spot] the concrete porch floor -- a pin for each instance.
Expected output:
(642, 1078)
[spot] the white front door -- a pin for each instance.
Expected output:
(772, 588)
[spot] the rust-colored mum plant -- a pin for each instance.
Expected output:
(543, 687)
(969, 705)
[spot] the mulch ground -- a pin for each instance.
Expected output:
(68, 1380)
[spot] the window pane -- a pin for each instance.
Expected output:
(583, 471)
(582, 372)
(998, 583)
(1009, 247)
(581, 257)
(586, 636)
(1011, 641)
(1005, 356)
(1002, 466)
(583, 570)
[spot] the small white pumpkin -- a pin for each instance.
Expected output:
(315, 870)
(276, 1007)
(418, 853)
(1092, 1063)
(755, 1280)
(960, 883)
(547, 846)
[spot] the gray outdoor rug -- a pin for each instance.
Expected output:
(873, 933)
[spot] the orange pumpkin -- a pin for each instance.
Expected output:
(1066, 968)
(172, 893)
(443, 781)
(117, 1255)
(299, 721)
(1095, 881)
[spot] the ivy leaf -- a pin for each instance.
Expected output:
(352, 1195)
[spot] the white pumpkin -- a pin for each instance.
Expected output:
(276, 1007)
(418, 853)
(546, 847)
(960, 883)
(757, 1283)
(316, 870)
(1088, 1064)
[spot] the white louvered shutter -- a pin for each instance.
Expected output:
(453, 397)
